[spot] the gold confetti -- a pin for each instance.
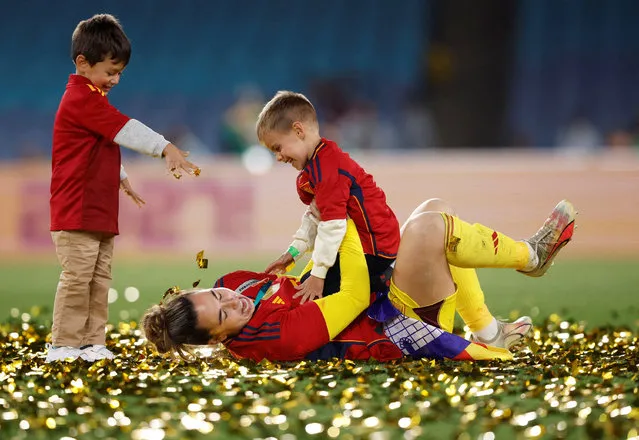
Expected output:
(171, 291)
(197, 171)
(196, 283)
(202, 262)
(581, 382)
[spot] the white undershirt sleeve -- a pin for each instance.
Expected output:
(304, 237)
(138, 137)
(123, 174)
(329, 237)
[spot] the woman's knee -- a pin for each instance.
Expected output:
(435, 204)
(426, 228)
(439, 205)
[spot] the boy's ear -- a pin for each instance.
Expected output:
(298, 128)
(81, 61)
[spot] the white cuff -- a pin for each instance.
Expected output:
(329, 238)
(138, 137)
(304, 237)
(319, 271)
(123, 174)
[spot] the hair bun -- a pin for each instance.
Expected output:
(155, 328)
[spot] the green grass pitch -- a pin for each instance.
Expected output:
(578, 379)
(598, 292)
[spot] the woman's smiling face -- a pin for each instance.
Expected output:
(221, 311)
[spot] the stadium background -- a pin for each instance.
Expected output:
(501, 107)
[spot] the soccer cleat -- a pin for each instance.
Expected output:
(94, 353)
(551, 237)
(510, 334)
(61, 353)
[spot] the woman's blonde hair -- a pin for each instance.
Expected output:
(171, 326)
(280, 112)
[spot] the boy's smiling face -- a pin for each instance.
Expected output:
(290, 147)
(104, 74)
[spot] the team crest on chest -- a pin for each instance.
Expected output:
(271, 290)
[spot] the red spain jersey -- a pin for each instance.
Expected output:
(85, 161)
(282, 329)
(342, 188)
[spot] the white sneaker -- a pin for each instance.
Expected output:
(61, 353)
(94, 353)
(510, 334)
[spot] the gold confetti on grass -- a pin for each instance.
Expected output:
(578, 384)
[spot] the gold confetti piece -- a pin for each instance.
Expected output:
(197, 171)
(202, 262)
(196, 283)
(583, 382)
(176, 175)
(171, 291)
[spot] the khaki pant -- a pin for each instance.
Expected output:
(81, 308)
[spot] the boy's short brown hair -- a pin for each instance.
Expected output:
(284, 109)
(98, 37)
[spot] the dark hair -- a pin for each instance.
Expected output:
(99, 37)
(171, 326)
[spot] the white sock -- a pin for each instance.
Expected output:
(489, 332)
(533, 259)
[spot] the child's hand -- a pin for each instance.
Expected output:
(279, 266)
(310, 289)
(315, 210)
(175, 161)
(125, 186)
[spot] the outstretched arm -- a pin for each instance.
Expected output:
(302, 242)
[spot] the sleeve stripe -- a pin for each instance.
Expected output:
(256, 338)
(265, 324)
(261, 331)
(358, 195)
(319, 169)
(311, 168)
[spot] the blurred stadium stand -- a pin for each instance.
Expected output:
(190, 58)
(361, 59)
(575, 58)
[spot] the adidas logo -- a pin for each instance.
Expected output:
(278, 300)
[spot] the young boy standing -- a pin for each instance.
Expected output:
(335, 187)
(85, 182)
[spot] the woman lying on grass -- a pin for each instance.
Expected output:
(255, 316)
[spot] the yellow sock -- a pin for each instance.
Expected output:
(475, 246)
(470, 299)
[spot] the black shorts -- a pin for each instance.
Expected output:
(376, 268)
